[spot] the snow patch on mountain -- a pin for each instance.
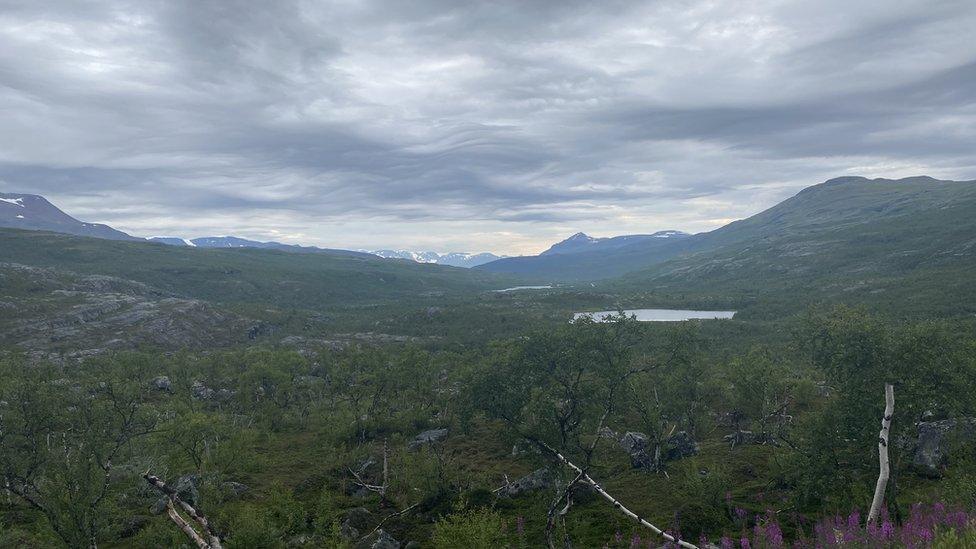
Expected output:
(452, 259)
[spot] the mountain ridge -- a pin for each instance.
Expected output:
(837, 204)
(34, 212)
(582, 242)
(452, 259)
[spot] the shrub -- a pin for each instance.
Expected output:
(481, 529)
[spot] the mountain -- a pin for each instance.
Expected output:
(32, 212)
(817, 220)
(581, 242)
(236, 242)
(453, 259)
(909, 242)
(581, 257)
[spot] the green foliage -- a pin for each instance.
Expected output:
(953, 539)
(291, 426)
(478, 529)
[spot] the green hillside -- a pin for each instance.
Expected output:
(832, 212)
(244, 275)
(906, 245)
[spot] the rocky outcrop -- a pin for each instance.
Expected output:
(539, 479)
(935, 441)
(644, 455)
(234, 489)
(637, 447)
(161, 383)
(199, 391)
(680, 445)
(97, 313)
(427, 438)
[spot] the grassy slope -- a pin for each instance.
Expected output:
(829, 215)
(903, 246)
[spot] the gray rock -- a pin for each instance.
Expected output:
(200, 391)
(235, 489)
(934, 442)
(642, 451)
(186, 488)
(739, 438)
(637, 446)
(161, 383)
(378, 540)
(680, 445)
(539, 479)
(427, 438)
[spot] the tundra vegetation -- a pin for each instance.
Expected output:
(722, 432)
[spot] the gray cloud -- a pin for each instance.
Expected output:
(471, 125)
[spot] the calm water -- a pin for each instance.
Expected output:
(661, 315)
(517, 288)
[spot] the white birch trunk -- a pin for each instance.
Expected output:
(599, 489)
(883, 438)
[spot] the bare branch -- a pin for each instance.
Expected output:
(392, 515)
(213, 541)
(185, 526)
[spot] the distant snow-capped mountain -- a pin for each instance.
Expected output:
(32, 212)
(237, 242)
(452, 259)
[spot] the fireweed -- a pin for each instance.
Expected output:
(923, 527)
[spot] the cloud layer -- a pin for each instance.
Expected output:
(497, 126)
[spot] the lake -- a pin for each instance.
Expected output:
(517, 288)
(661, 315)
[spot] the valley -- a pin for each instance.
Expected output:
(269, 385)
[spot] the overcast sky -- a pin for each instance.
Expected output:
(449, 125)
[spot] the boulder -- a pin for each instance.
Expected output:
(200, 391)
(739, 438)
(536, 480)
(378, 540)
(680, 445)
(642, 452)
(186, 488)
(427, 438)
(161, 383)
(234, 489)
(637, 446)
(935, 439)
